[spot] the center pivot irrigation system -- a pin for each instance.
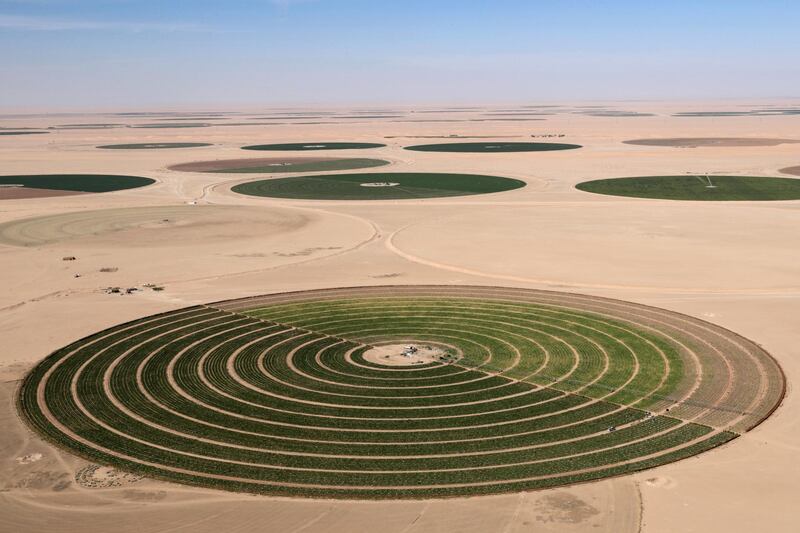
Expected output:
(518, 390)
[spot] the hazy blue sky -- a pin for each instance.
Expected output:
(101, 53)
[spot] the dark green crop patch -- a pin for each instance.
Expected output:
(77, 182)
(378, 186)
(701, 187)
(492, 147)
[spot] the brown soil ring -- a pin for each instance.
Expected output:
(625, 306)
(600, 348)
(120, 406)
(561, 340)
(25, 193)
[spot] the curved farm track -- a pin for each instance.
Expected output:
(273, 394)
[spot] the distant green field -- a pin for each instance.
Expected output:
(311, 146)
(172, 125)
(318, 166)
(378, 186)
(492, 147)
(22, 132)
(697, 187)
(91, 126)
(152, 146)
(77, 182)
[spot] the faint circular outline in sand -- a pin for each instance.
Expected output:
(51, 229)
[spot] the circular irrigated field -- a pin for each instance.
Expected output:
(44, 185)
(172, 125)
(269, 165)
(375, 186)
(717, 142)
(493, 147)
(22, 132)
(303, 147)
(152, 146)
(509, 390)
(697, 187)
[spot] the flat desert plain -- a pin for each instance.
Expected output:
(735, 264)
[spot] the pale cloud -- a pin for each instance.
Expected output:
(289, 3)
(29, 23)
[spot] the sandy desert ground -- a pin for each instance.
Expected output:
(736, 264)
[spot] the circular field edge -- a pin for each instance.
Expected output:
(309, 146)
(49, 181)
(592, 186)
(709, 142)
(278, 167)
(513, 184)
(153, 146)
(10, 133)
(21, 413)
(480, 147)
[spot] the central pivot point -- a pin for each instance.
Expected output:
(409, 354)
(380, 184)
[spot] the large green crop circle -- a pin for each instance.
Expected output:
(313, 146)
(153, 146)
(285, 395)
(697, 187)
(23, 132)
(378, 186)
(76, 182)
(493, 147)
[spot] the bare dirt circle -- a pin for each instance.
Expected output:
(409, 354)
(792, 171)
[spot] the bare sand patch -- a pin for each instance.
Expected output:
(562, 507)
(28, 459)
(717, 142)
(407, 354)
(97, 476)
(671, 246)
